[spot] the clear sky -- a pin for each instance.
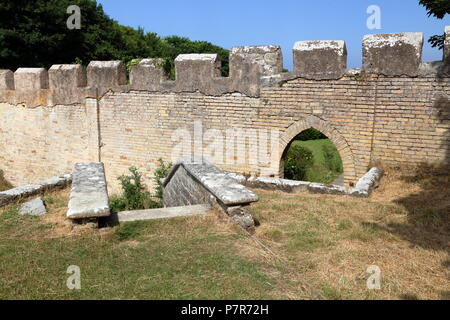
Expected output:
(259, 22)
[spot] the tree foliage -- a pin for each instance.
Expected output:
(438, 9)
(35, 34)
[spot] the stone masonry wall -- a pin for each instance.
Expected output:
(396, 109)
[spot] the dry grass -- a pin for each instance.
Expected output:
(330, 241)
(313, 246)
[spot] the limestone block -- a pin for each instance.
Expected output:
(196, 71)
(105, 75)
(34, 207)
(147, 75)
(326, 189)
(66, 81)
(249, 65)
(163, 213)
(89, 195)
(320, 59)
(31, 79)
(394, 54)
(367, 183)
(6, 80)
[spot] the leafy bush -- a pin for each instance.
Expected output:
(311, 134)
(134, 195)
(298, 160)
(332, 159)
(160, 173)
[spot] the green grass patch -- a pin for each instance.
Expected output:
(327, 165)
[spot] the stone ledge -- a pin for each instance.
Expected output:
(163, 213)
(9, 196)
(89, 195)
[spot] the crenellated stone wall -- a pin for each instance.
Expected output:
(396, 109)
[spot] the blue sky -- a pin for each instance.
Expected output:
(259, 22)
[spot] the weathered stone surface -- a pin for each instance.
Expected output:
(9, 196)
(191, 183)
(164, 213)
(147, 75)
(367, 183)
(241, 216)
(326, 189)
(105, 75)
(34, 207)
(66, 81)
(320, 59)
(195, 72)
(31, 79)
(89, 195)
(284, 185)
(6, 80)
(394, 54)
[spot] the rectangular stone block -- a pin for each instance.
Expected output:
(63, 76)
(105, 75)
(269, 60)
(89, 194)
(163, 213)
(148, 74)
(31, 79)
(394, 54)
(6, 80)
(66, 81)
(320, 59)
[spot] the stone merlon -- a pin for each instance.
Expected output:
(250, 69)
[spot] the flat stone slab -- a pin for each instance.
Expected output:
(219, 183)
(289, 186)
(163, 213)
(34, 207)
(9, 196)
(320, 188)
(89, 195)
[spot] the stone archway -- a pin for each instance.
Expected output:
(323, 126)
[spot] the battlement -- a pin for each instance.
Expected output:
(251, 67)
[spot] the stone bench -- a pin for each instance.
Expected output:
(89, 194)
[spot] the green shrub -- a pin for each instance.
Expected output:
(297, 162)
(311, 134)
(161, 172)
(4, 184)
(332, 159)
(134, 194)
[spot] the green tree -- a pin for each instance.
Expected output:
(35, 34)
(438, 9)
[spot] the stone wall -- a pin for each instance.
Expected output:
(395, 109)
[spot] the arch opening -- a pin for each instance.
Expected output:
(312, 156)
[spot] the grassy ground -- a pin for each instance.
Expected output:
(314, 247)
(319, 172)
